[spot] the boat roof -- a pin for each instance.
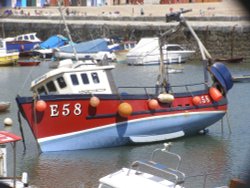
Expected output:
(121, 179)
(62, 70)
(6, 137)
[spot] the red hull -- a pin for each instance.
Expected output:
(28, 63)
(72, 115)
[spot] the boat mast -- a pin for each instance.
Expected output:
(67, 29)
(178, 16)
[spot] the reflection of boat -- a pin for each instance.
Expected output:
(81, 107)
(7, 57)
(22, 43)
(241, 78)
(28, 62)
(125, 47)
(5, 181)
(147, 52)
(4, 106)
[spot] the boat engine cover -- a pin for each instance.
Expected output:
(222, 75)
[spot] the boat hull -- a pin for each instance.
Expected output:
(9, 58)
(70, 123)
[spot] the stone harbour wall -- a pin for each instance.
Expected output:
(223, 37)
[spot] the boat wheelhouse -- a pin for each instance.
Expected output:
(81, 79)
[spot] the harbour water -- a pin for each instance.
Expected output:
(219, 151)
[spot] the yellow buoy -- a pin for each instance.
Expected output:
(41, 105)
(166, 98)
(125, 109)
(153, 104)
(94, 101)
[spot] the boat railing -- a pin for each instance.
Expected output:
(206, 175)
(159, 167)
(149, 90)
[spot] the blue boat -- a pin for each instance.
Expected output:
(45, 49)
(22, 43)
(95, 49)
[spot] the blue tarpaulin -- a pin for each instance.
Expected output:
(54, 42)
(92, 46)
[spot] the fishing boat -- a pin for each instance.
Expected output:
(156, 172)
(13, 181)
(7, 57)
(81, 107)
(147, 52)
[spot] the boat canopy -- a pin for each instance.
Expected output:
(54, 41)
(92, 46)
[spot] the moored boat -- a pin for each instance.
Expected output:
(161, 170)
(7, 57)
(22, 43)
(81, 107)
(28, 62)
(147, 52)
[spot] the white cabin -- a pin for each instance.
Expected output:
(81, 79)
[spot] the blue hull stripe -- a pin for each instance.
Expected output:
(118, 134)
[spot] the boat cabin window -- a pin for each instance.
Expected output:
(51, 86)
(95, 77)
(85, 78)
(26, 37)
(61, 82)
(1, 44)
(74, 79)
(32, 37)
(42, 91)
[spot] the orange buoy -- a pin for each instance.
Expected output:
(41, 105)
(215, 94)
(94, 101)
(125, 109)
(196, 100)
(153, 104)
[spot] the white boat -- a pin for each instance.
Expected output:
(125, 47)
(153, 173)
(147, 52)
(135, 177)
(14, 181)
(7, 57)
